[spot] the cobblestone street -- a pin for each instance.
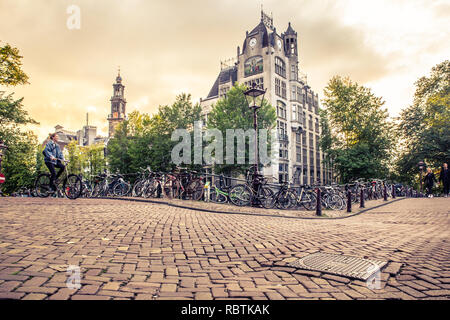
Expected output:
(136, 250)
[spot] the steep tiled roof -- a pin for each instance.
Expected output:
(223, 77)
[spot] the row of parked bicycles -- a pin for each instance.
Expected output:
(184, 184)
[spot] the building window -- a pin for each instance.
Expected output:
(299, 94)
(305, 156)
(294, 72)
(294, 112)
(298, 154)
(293, 93)
(283, 89)
(281, 109)
(317, 126)
(280, 67)
(259, 83)
(223, 91)
(283, 172)
(278, 87)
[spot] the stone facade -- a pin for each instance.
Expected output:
(270, 60)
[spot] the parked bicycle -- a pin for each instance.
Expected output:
(254, 191)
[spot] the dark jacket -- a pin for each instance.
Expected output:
(444, 176)
(52, 149)
(429, 179)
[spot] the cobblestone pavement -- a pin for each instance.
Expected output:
(133, 250)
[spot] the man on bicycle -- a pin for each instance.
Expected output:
(53, 157)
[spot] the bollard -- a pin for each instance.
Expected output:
(349, 201)
(385, 193)
(361, 199)
(319, 203)
(393, 191)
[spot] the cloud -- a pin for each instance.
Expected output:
(168, 47)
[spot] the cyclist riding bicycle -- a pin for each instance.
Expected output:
(53, 157)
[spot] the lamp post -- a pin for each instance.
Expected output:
(2, 147)
(255, 98)
(421, 166)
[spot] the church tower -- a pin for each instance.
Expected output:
(118, 104)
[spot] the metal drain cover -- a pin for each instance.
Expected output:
(337, 264)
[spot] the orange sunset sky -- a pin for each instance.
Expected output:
(168, 47)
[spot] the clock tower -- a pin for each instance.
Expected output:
(118, 104)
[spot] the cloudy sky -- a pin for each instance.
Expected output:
(166, 47)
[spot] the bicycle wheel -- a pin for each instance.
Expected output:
(195, 190)
(240, 195)
(72, 186)
(171, 189)
(149, 189)
(121, 189)
(87, 191)
(269, 202)
(137, 188)
(216, 196)
(95, 190)
(284, 201)
(335, 202)
(42, 185)
(309, 201)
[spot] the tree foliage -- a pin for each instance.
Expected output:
(356, 134)
(20, 160)
(11, 73)
(232, 112)
(144, 140)
(85, 160)
(424, 126)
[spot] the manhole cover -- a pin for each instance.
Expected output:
(337, 264)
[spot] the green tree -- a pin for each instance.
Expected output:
(19, 162)
(357, 136)
(424, 127)
(142, 141)
(11, 73)
(233, 112)
(95, 159)
(76, 157)
(85, 160)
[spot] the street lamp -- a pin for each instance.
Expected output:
(421, 166)
(255, 98)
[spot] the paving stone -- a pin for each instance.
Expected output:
(35, 296)
(161, 252)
